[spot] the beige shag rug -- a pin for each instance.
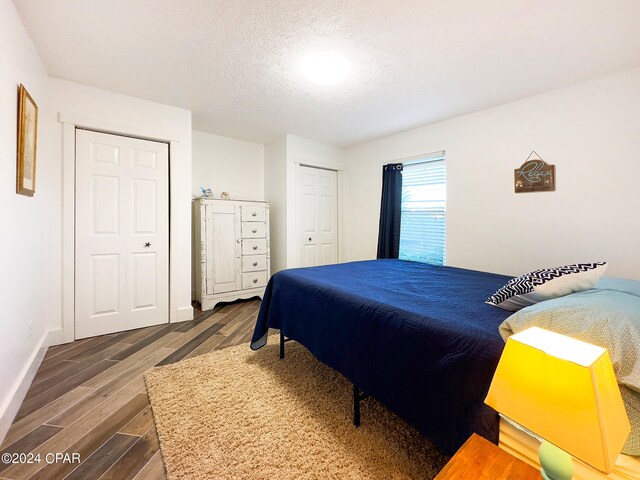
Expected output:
(238, 414)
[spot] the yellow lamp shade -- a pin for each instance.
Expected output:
(565, 391)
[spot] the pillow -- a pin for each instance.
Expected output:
(619, 284)
(546, 283)
(609, 318)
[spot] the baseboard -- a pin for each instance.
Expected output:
(58, 336)
(184, 314)
(18, 391)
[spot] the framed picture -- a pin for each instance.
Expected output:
(27, 136)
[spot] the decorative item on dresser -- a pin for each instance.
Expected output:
(232, 237)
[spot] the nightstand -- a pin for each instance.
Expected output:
(480, 459)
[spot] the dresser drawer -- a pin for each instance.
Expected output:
(254, 230)
(257, 213)
(254, 263)
(254, 280)
(254, 247)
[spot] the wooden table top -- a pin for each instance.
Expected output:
(480, 459)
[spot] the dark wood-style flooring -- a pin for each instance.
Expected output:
(89, 398)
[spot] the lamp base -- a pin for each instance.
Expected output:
(556, 463)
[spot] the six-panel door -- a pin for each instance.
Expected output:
(317, 216)
(122, 233)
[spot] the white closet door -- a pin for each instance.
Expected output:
(122, 233)
(317, 216)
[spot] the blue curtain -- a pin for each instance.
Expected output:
(389, 231)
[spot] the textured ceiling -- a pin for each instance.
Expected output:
(234, 63)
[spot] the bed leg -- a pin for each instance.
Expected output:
(281, 345)
(282, 342)
(356, 406)
(357, 396)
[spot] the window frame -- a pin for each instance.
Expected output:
(438, 253)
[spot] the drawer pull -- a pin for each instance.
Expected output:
(255, 280)
(254, 214)
(255, 230)
(255, 247)
(255, 264)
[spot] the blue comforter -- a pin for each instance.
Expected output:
(419, 338)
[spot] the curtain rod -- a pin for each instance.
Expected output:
(421, 158)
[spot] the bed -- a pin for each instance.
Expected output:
(422, 341)
(418, 338)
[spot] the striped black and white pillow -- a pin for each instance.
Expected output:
(546, 283)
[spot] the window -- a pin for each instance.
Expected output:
(422, 225)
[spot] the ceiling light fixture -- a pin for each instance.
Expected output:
(324, 68)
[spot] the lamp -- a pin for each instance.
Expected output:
(564, 391)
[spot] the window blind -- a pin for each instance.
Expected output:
(423, 213)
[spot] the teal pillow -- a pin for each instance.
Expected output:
(619, 284)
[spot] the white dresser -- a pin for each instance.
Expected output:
(232, 237)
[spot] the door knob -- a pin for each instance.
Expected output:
(255, 280)
(255, 264)
(255, 230)
(254, 214)
(309, 238)
(255, 247)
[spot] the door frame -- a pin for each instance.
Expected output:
(69, 125)
(293, 236)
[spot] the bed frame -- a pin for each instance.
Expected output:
(378, 350)
(358, 395)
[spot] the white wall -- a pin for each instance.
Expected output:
(590, 131)
(227, 165)
(30, 280)
(76, 104)
(275, 192)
